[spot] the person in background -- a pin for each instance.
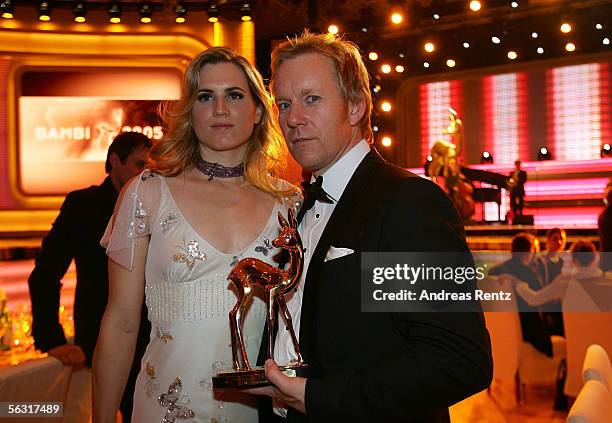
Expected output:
(535, 331)
(76, 234)
(518, 177)
(548, 266)
(604, 224)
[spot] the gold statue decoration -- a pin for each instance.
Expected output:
(247, 274)
(445, 163)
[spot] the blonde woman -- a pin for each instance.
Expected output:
(207, 201)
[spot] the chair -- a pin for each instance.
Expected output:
(593, 405)
(597, 366)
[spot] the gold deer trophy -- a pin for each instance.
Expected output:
(247, 274)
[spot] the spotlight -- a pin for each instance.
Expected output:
(181, 14)
(466, 45)
(386, 141)
(426, 65)
(376, 88)
(599, 26)
(570, 47)
(402, 55)
(373, 56)
(146, 13)
(540, 50)
(385, 68)
(399, 69)
(79, 12)
(114, 12)
(514, 4)
(486, 158)
(429, 47)
(375, 128)
(512, 55)
(213, 13)
(534, 35)
(436, 16)
(495, 39)
(429, 159)
(397, 18)
(364, 29)
(245, 11)
(565, 28)
(44, 11)
(333, 29)
(606, 41)
(451, 63)
(606, 150)
(544, 154)
(6, 9)
(385, 106)
(475, 6)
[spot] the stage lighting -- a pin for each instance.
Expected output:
(466, 45)
(534, 35)
(570, 47)
(436, 16)
(114, 12)
(376, 88)
(245, 10)
(429, 47)
(451, 63)
(606, 150)
(599, 26)
(6, 7)
(544, 154)
(426, 65)
(402, 55)
(364, 29)
(514, 4)
(385, 106)
(540, 50)
(399, 69)
(397, 18)
(213, 13)
(512, 55)
(565, 28)
(495, 40)
(146, 13)
(373, 56)
(44, 11)
(486, 158)
(79, 12)
(181, 14)
(475, 6)
(606, 41)
(385, 68)
(375, 128)
(386, 141)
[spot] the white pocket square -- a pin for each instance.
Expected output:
(337, 252)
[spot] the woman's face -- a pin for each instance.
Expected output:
(225, 112)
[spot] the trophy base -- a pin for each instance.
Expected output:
(255, 377)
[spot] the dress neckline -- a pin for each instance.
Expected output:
(209, 244)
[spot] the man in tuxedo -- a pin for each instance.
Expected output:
(76, 234)
(363, 367)
(518, 177)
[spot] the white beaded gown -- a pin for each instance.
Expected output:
(188, 298)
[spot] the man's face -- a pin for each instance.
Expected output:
(319, 127)
(555, 242)
(133, 165)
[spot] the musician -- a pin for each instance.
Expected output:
(518, 177)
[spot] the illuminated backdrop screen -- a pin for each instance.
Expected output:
(511, 115)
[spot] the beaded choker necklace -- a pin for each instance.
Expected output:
(217, 170)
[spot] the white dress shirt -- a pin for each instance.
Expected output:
(335, 180)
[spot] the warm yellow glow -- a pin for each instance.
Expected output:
(44, 18)
(145, 19)
(566, 28)
(399, 69)
(7, 15)
(397, 18)
(79, 19)
(373, 55)
(512, 55)
(218, 39)
(386, 141)
(429, 47)
(333, 29)
(385, 68)
(246, 42)
(451, 63)
(213, 19)
(179, 20)
(475, 5)
(385, 106)
(246, 18)
(115, 20)
(570, 47)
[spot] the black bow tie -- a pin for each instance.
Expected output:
(312, 193)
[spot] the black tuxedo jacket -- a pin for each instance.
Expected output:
(391, 367)
(75, 234)
(519, 184)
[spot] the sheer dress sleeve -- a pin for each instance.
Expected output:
(135, 213)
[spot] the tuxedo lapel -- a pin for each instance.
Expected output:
(341, 215)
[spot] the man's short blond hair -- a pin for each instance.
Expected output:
(352, 75)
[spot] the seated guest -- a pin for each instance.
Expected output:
(548, 266)
(585, 272)
(534, 329)
(604, 224)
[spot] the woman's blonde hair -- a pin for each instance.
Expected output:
(179, 149)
